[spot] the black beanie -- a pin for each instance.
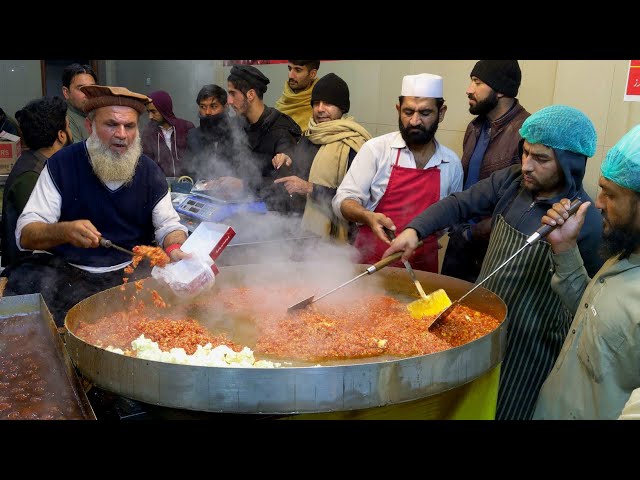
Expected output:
(503, 76)
(331, 89)
(250, 74)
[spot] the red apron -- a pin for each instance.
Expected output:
(408, 193)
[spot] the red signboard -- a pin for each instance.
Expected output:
(228, 63)
(632, 91)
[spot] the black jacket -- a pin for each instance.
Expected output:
(17, 189)
(303, 155)
(274, 132)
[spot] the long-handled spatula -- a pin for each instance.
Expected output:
(542, 232)
(372, 269)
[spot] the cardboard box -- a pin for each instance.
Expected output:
(9, 151)
(209, 237)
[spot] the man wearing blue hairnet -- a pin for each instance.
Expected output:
(556, 142)
(599, 365)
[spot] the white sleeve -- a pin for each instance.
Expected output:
(165, 219)
(356, 184)
(43, 205)
(457, 176)
(631, 410)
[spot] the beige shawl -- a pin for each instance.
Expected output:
(329, 168)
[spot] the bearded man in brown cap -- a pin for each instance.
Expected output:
(103, 186)
(322, 157)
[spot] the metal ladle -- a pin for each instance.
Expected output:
(371, 269)
(540, 233)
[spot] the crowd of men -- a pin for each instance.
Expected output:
(573, 342)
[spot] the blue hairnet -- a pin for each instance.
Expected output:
(622, 163)
(563, 127)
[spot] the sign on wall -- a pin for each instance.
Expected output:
(632, 92)
(228, 63)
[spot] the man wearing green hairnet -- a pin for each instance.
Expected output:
(556, 142)
(599, 365)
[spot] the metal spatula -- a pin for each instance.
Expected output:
(415, 280)
(109, 244)
(542, 232)
(392, 235)
(372, 269)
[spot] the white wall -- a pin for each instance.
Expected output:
(594, 86)
(182, 79)
(20, 82)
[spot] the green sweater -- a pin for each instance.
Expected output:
(76, 124)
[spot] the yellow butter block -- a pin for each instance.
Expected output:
(432, 305)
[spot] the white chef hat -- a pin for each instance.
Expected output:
(422, 85)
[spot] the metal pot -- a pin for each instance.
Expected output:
(341, 386)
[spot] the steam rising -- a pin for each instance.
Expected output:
(227, 152)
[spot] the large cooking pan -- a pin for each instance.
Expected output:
(345, 385)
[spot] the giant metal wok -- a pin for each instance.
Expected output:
(332, 387)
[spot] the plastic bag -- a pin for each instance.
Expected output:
(188, 277)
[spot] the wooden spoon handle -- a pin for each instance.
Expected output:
(386, 261)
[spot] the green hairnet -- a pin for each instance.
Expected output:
(622, 163)
(563, 127)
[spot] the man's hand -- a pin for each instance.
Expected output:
(295, 185)
(564, 237)
(81, 233)
(482, 229)
(281, 159)
(377, 222)
(175, 237)
(43, 236)
(407, 241)
(177, 255)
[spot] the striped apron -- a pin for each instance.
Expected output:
(538, 321)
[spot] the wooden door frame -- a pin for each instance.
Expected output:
(43, 74)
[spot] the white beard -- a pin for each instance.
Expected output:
(110, 166)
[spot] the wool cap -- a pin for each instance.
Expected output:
(102, 96)
(332, 89)
(164, 104)
(504, 76)
(250, 74)
(622, 163)
(422, 85)
(563, 127)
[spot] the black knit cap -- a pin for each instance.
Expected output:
(503, 76)
(331, 89)
(250, 74)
